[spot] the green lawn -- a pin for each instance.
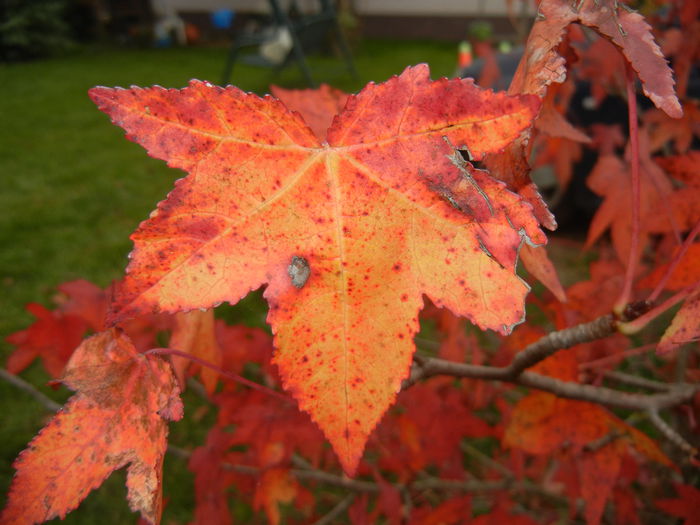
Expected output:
(73, 188)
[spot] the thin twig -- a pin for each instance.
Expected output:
(486, 460)
(614, 359)
(336, 511)
(674, 263)
(481, 486)
(198, 388)
(314, 475)
(531, 355)
(631, 270)
(179, 452)
(676, 394)
(632, 327)
(597, 329)
(224, 373)
(637, 381)
(48, 403)
(673, 436)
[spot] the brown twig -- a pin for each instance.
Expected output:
(640, 382)
(335, 512)
(554, 341)
(47, 402)
(673, 436)
(676, 394)
(633, 255)
(516, 372)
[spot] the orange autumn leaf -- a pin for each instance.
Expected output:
(598, 472)
(541, 64)
(541, 423)
(685, 326)
(537, 262)
(686, 273)
(276, 485)
(347, 234)
(194, 334)
(117, 418)
(665, 131)
(316, 106)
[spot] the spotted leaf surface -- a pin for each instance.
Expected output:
(117, 418)
(382, 212)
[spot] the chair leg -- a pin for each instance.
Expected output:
(301, 60)
(345, 50)
(228, 67)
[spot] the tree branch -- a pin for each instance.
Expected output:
(583, 333)
(676, 394)
(47, 402)
(526, 358)
(336, 511)
(671, 434)
(516, 373)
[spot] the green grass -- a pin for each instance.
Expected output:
(73, 189)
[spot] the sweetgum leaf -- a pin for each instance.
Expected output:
(381, 213)
(117, 418)
(541, 63)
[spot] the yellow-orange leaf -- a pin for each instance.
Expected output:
(347, 234)
(194, 333)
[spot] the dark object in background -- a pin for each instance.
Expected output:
(33, 29)
(291, 35)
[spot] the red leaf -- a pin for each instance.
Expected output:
(452, 511)
(685, 506)
(276, 486)
(611, 179)
(348, 236)
(212, 479)
(596, 296)
(53, 337)
(682, 167)
(194, 333)
(685, 326)
(598, 471)
(541, 64)
(85, 300)
(499, 516)
(316, 106)
(537, 262)
(117, 418)
(685, 274)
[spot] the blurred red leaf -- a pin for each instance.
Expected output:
(685, 327)
(194, 334)
(684, 506)
(53, 337)
(275, 486)
(316, 106)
